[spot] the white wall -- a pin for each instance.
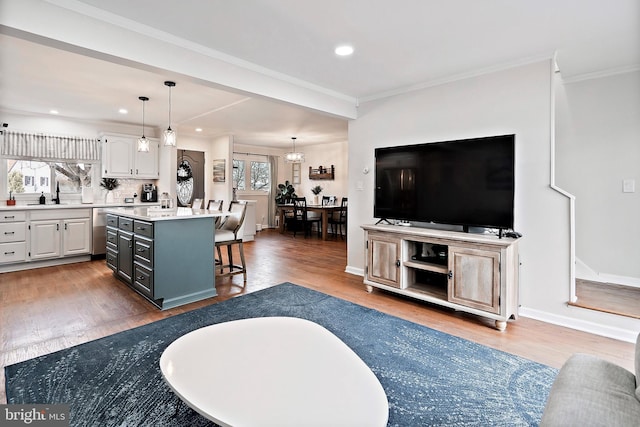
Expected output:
(519, 101)
(217, 148)
(597, 147)
(325, 155)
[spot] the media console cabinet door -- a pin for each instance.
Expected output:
(384, 260)
(475, 279)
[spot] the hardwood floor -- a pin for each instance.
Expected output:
(53, 308)
(608, 297)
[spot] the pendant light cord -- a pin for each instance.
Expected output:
(169, 107)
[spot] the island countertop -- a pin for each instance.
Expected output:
(158, 214)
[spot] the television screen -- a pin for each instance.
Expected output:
(466, 182)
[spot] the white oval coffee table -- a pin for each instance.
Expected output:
(273, 371)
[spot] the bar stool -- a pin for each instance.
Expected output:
(229, 234)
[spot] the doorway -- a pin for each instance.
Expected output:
(190, 176)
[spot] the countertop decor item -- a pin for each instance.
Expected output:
(316, 190)
(110, 184)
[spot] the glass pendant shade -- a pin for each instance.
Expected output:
(294, 156)
(143, 143)
(169, 135)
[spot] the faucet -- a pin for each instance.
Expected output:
(57, 199)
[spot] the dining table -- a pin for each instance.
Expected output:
(324, 210)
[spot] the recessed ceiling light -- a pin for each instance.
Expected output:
(344, 50)
(198, 129)
(123, 111)
(53, 111)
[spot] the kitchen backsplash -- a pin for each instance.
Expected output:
(127, 188)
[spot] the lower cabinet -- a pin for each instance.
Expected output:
(125, 255)
(13, 237)
(474, 273)
(43, 236)
(130, 252)
(167, 261)
(59, 233)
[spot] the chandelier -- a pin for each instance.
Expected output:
(294, 156)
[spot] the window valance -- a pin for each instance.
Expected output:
(49, 147)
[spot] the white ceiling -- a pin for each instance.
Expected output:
(399, 45)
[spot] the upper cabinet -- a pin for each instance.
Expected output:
(121, 159)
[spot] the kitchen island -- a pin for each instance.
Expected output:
(166, 255)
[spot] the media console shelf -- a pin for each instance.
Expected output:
(474, 273)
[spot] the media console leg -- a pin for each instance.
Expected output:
(369, 288)
(501, 325)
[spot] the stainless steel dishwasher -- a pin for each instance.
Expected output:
(99, 246)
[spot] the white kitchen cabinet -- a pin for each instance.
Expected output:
(76, 236)
(13, 230)
(45, 239)
(60, 233)
(146, 165)
(121, 159)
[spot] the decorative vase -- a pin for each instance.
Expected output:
(109, 197)
(315, 200)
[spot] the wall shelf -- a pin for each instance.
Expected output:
(322, 173)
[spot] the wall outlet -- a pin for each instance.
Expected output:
(628, 185)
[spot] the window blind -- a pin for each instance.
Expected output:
(44, 147)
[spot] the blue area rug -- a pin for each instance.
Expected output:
(430, 378)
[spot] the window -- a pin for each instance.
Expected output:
(34, 177)
(238, 174)
(260, 176)
(257, 175)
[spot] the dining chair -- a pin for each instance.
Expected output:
(326, 200)
(229, 234)
(301, 219)
(196, 204)
(339, 218)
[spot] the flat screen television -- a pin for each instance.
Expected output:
(466, 182)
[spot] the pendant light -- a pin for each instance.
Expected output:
(294, 156)
(169, 135)
(143, 143)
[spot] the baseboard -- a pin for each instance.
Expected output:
(584, 272)
(354, 271)
(620, 334)
(29, 265)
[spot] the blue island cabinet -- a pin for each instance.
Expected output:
(167, 257)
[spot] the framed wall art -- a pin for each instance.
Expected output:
(219, 170)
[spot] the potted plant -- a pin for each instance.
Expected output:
(316, 190)
(110, 184)
(285, 193)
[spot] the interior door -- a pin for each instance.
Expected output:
(190, 176)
